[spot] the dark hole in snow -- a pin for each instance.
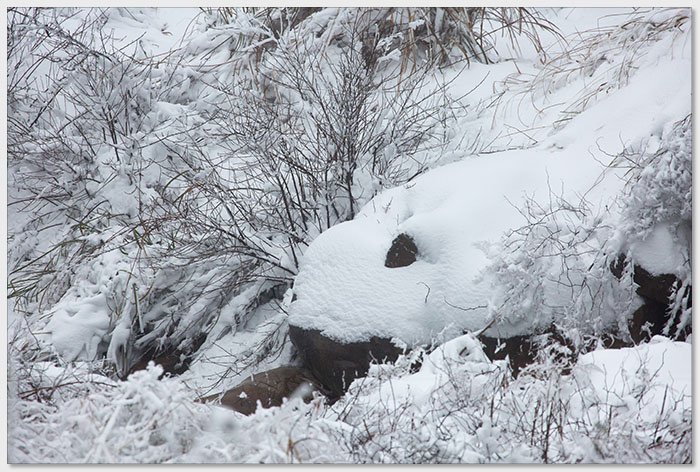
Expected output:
(402, 253)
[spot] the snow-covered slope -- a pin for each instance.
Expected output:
(456, 212)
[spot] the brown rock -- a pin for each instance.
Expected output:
(402, 253)
(270, 388)
(651, 318)
(337, 364)
(520, 350)
(653, 287)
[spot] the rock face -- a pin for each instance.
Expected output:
(523, 350)
(402, 253)
(336, 364)
(520, 350)
(174, 361)
(652, 316)
(270, 388)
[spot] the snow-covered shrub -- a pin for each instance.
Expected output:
(556, 268)
(89, 175)
(461, 407)
(657, 212)
(141, 420)
(163, 192)
(629, 405)
(334, 133)
(416, 34)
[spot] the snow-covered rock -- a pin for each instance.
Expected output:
(345, 290)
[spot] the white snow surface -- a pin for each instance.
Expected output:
(661, 252)
(660, 370)
(344, 289)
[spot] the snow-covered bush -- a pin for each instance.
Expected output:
(333, 133)
(555, 269)
(657, 213)
(630, 405)
(574, 247)
(416, 34)
(84, 113)
(164, 192)
(141, 420)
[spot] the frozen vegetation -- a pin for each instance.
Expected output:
(184, 185)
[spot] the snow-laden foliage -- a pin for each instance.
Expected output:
(142, 420)
(415, 34)
(86, 170)
(556, 268)
(660, 184)
(626, 406)
(172, 185)
(659, 198)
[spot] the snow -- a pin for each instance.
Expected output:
(344, 289)
(420, 387)
(159, 30)
(79, 333)
(660, 370)
(661, 252)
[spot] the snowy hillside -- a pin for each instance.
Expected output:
(504, 213)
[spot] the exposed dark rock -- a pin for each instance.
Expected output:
(652, 287)
(524, 350)
(336, 364)
(651, 318)
(270, 388)
(402, 253)
(519, 349)
(174, 361)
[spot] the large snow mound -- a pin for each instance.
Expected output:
(344, 289)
